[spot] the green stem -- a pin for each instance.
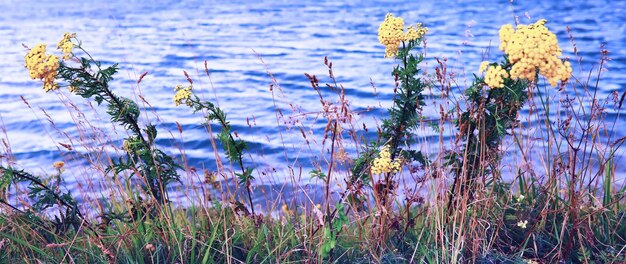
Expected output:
(224, 125)
(156, 188)
(400, 124)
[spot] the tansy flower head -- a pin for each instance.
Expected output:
(532, 47)
(183, 95)
(126, 145)
(391, 34)
(42, 66)
(384, 164)
(58, 164)
(483, 66)
(495, 76)
(286, 210)
(73, 89)
(416, 32)
(211, 178)
(66, 45)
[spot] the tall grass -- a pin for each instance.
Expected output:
(455, 199)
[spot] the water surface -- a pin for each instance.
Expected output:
(242, 41)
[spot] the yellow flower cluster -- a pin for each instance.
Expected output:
(495, 76)
(42, 66)
(58, 164)
(532, 47)
(415, 32)
(73, 89)
(66, 45)
(483, 66)
(391, 33)
(182, 96)
(383, 163)
(286, 210)
(126, 145)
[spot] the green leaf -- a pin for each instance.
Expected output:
(329, 242)
(151, 132)
(317, 174)
(245, 177)
(5, 178)
(341, 219)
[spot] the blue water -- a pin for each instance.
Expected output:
(241, 42)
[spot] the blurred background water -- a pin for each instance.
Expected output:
(241, 41)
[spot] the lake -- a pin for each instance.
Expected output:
(243, 41)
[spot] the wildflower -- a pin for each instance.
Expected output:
(42, 66)
(66, 45)
(183, 95)
(150, 247)
(522, 224)
(58, 164)
(211, 178)
(532, 47)
(483, 66)
(416, 32)
(391, 33)
(520, 198)
(495, 76)
(384, 164)
(126, 145)
(286, 210)
(341, 155)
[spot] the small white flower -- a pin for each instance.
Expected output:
(522, 224)
(520, 198)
